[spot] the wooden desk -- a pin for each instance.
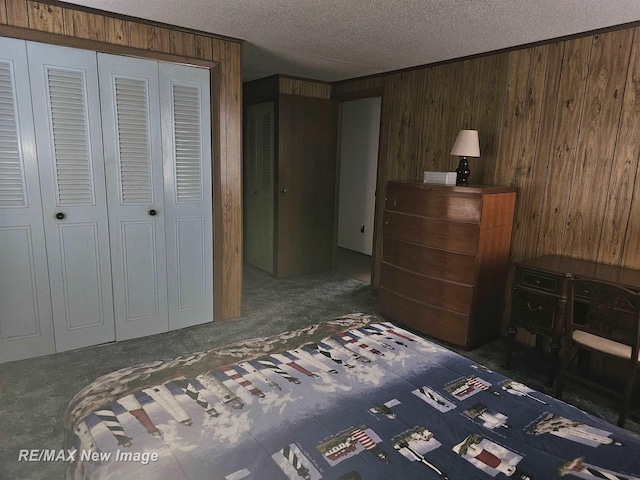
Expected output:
(541, 291)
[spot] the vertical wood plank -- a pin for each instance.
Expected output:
(466, 95)
(564, 146)
(117, 31)
(162, 40)
(489, 158)
(407, 126)
(182, 44)
(229, 55)
(428, 154)
(483, 113)
(513, 116)
(17, 13)
(3, 12)
(621, 224)
(84, 25)
(446, 128)
(543, 150)
(466, 99)
(528, 141)
(141, 36)
(604, 92)
(204, 47)
(46, 18)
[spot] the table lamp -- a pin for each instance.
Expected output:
(467, 145)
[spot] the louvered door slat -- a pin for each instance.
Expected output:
(67, 103)
(12, 182)
(132, 111)
(188, 155)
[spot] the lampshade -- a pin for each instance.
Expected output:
(467, 144)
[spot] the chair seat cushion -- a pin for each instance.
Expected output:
(603, 344)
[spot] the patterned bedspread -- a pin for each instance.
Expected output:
(353, 398)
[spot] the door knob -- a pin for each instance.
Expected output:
(152, 212)
(59, 215)
(283, 190)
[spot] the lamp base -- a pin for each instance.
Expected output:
(462, 172)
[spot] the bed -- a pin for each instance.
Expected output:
(351, 398)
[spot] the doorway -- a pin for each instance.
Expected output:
(359, 136)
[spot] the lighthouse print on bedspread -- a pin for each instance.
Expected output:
(350, 398)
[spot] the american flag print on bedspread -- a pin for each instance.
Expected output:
(351, 398)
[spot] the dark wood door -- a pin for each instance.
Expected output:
(307, 130)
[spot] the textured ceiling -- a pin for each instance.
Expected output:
(337, 39)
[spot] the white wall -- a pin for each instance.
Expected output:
(358, 166)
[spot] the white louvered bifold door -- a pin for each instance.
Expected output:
(64, 91)
(259, 185)
(133, 162)
(186, 140)
(26, 325)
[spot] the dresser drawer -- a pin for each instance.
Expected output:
(452, 236)
(533, 310)
(433, 291)
(539, 281)
(447, 326)
(442, 204)
(452, 266)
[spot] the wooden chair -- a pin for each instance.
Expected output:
(602, 318)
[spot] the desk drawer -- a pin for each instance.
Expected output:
(535, 310)
(540, 281)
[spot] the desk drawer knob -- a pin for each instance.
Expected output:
(532, 308)
(537, 282)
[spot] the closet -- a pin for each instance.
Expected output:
(105, 198)
(290, 144)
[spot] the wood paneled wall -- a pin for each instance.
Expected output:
(66, 24)
(303, 87)
(559, 121)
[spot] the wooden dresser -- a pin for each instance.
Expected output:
(445, 258)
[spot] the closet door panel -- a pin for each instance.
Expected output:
(186, 139)
(259, 185)
(64, 92)
(26, 323)
(133, 163)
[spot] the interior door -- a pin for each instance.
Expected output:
(259, 185)
(306, 184)
(129, 95)
(186, 147)
(65, 98)
(26, 323)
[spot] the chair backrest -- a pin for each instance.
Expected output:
(605, 310)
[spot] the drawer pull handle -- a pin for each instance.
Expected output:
(537, 282)
(386, 221)
(533, 309)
